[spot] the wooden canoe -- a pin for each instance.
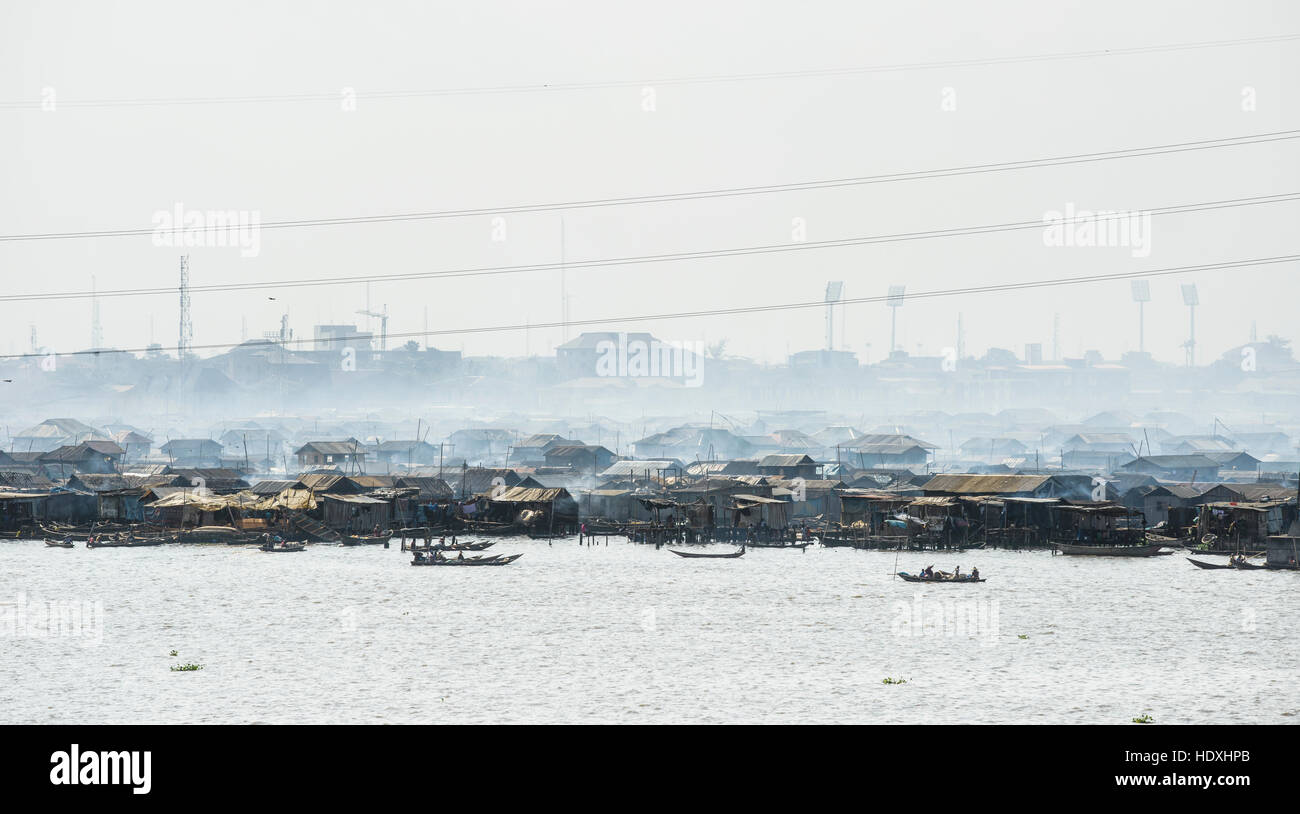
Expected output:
(942, 580)
(124, 543)
(493, 560)
(1152, 550)
(701, 556)
(365, 539)
(282, 549)
(1222, 566)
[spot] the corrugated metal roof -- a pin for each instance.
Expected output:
(786, 460)
(524, 494)
(364, 499)
(1172, 462)
(984, 484)
(271, 487)
(623, 468)
(753, 499)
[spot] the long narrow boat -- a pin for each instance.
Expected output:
(124, 543)
(698, 556)
(1217, 566)
(798, 546)
(1152, 550)
(282, 548)
(475, 546)
(217, 534)
(493, 560)
(59, 543)
(365, 539)
(940, 579)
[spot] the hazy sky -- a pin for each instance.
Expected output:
(115, 166)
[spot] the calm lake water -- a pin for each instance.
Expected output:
(625, 633)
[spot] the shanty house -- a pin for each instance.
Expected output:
(358, 513)
(192, 452)
(116, 497)
(532, 450)
(748, 511)
(136, 445)
(88, 456)
(216, 480)
(349, 454)
(1179, 468)
(1097, 450)
(543, 510)
(788, 466)
(886, 451)
(53, 433)
(691, 442)
(481, 444)
(1155, 502)
(580, 457)
(395, 454)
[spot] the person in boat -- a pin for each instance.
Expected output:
(928, 572)
(957, 573)
(460, 555)
(975, 573)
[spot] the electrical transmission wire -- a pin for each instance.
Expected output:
(744, 251)
(947, 172)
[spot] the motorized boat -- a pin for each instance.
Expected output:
(1239, 565)
(497, 559)
(282, 547)
(1152, 550)
(365, 539)
(939, 576)
(702, 556)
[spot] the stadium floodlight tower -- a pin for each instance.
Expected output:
(1191, 299)
(894, 301)
(1142, 296)
(834, 293)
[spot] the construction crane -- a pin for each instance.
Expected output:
(382, 316)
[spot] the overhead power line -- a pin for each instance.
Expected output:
(554, 87)
(742, 251)
(750, 309)
(916, 175)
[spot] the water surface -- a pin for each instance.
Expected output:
(625, 633)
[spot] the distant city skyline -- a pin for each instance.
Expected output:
(350, 153)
